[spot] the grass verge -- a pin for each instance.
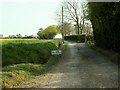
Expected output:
(14, 75)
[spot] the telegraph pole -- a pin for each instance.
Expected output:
(62, 26)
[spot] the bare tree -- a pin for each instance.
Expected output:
(75, 11)
(68, 28)
(83, 15)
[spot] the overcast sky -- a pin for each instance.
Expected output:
(26, 16)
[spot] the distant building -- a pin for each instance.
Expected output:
(1, 35)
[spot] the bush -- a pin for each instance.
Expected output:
(89, 38)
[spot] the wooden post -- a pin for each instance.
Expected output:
(62, 26)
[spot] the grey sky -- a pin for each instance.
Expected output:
(26, 16)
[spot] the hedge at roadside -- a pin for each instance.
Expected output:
(80, 38)
(71, 38)
(15, 53)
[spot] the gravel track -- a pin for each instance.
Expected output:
(79, 67)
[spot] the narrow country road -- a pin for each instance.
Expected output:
(79, 67)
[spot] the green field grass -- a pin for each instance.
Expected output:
(6, 41)
(23, 59)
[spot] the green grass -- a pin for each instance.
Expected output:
(63, 47)
(21, 60)
(13, 75)
(36, 51)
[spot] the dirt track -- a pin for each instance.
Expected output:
(79, 67)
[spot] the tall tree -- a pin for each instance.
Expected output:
(106, 24)
(40, 33)
(75, 11)
(49, 32)
(18, 35)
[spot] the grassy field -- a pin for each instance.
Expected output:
(6, 41)
(23, 59)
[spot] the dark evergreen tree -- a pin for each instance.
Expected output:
(105, 18)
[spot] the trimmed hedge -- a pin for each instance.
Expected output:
(80, 38)
(71, 38)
